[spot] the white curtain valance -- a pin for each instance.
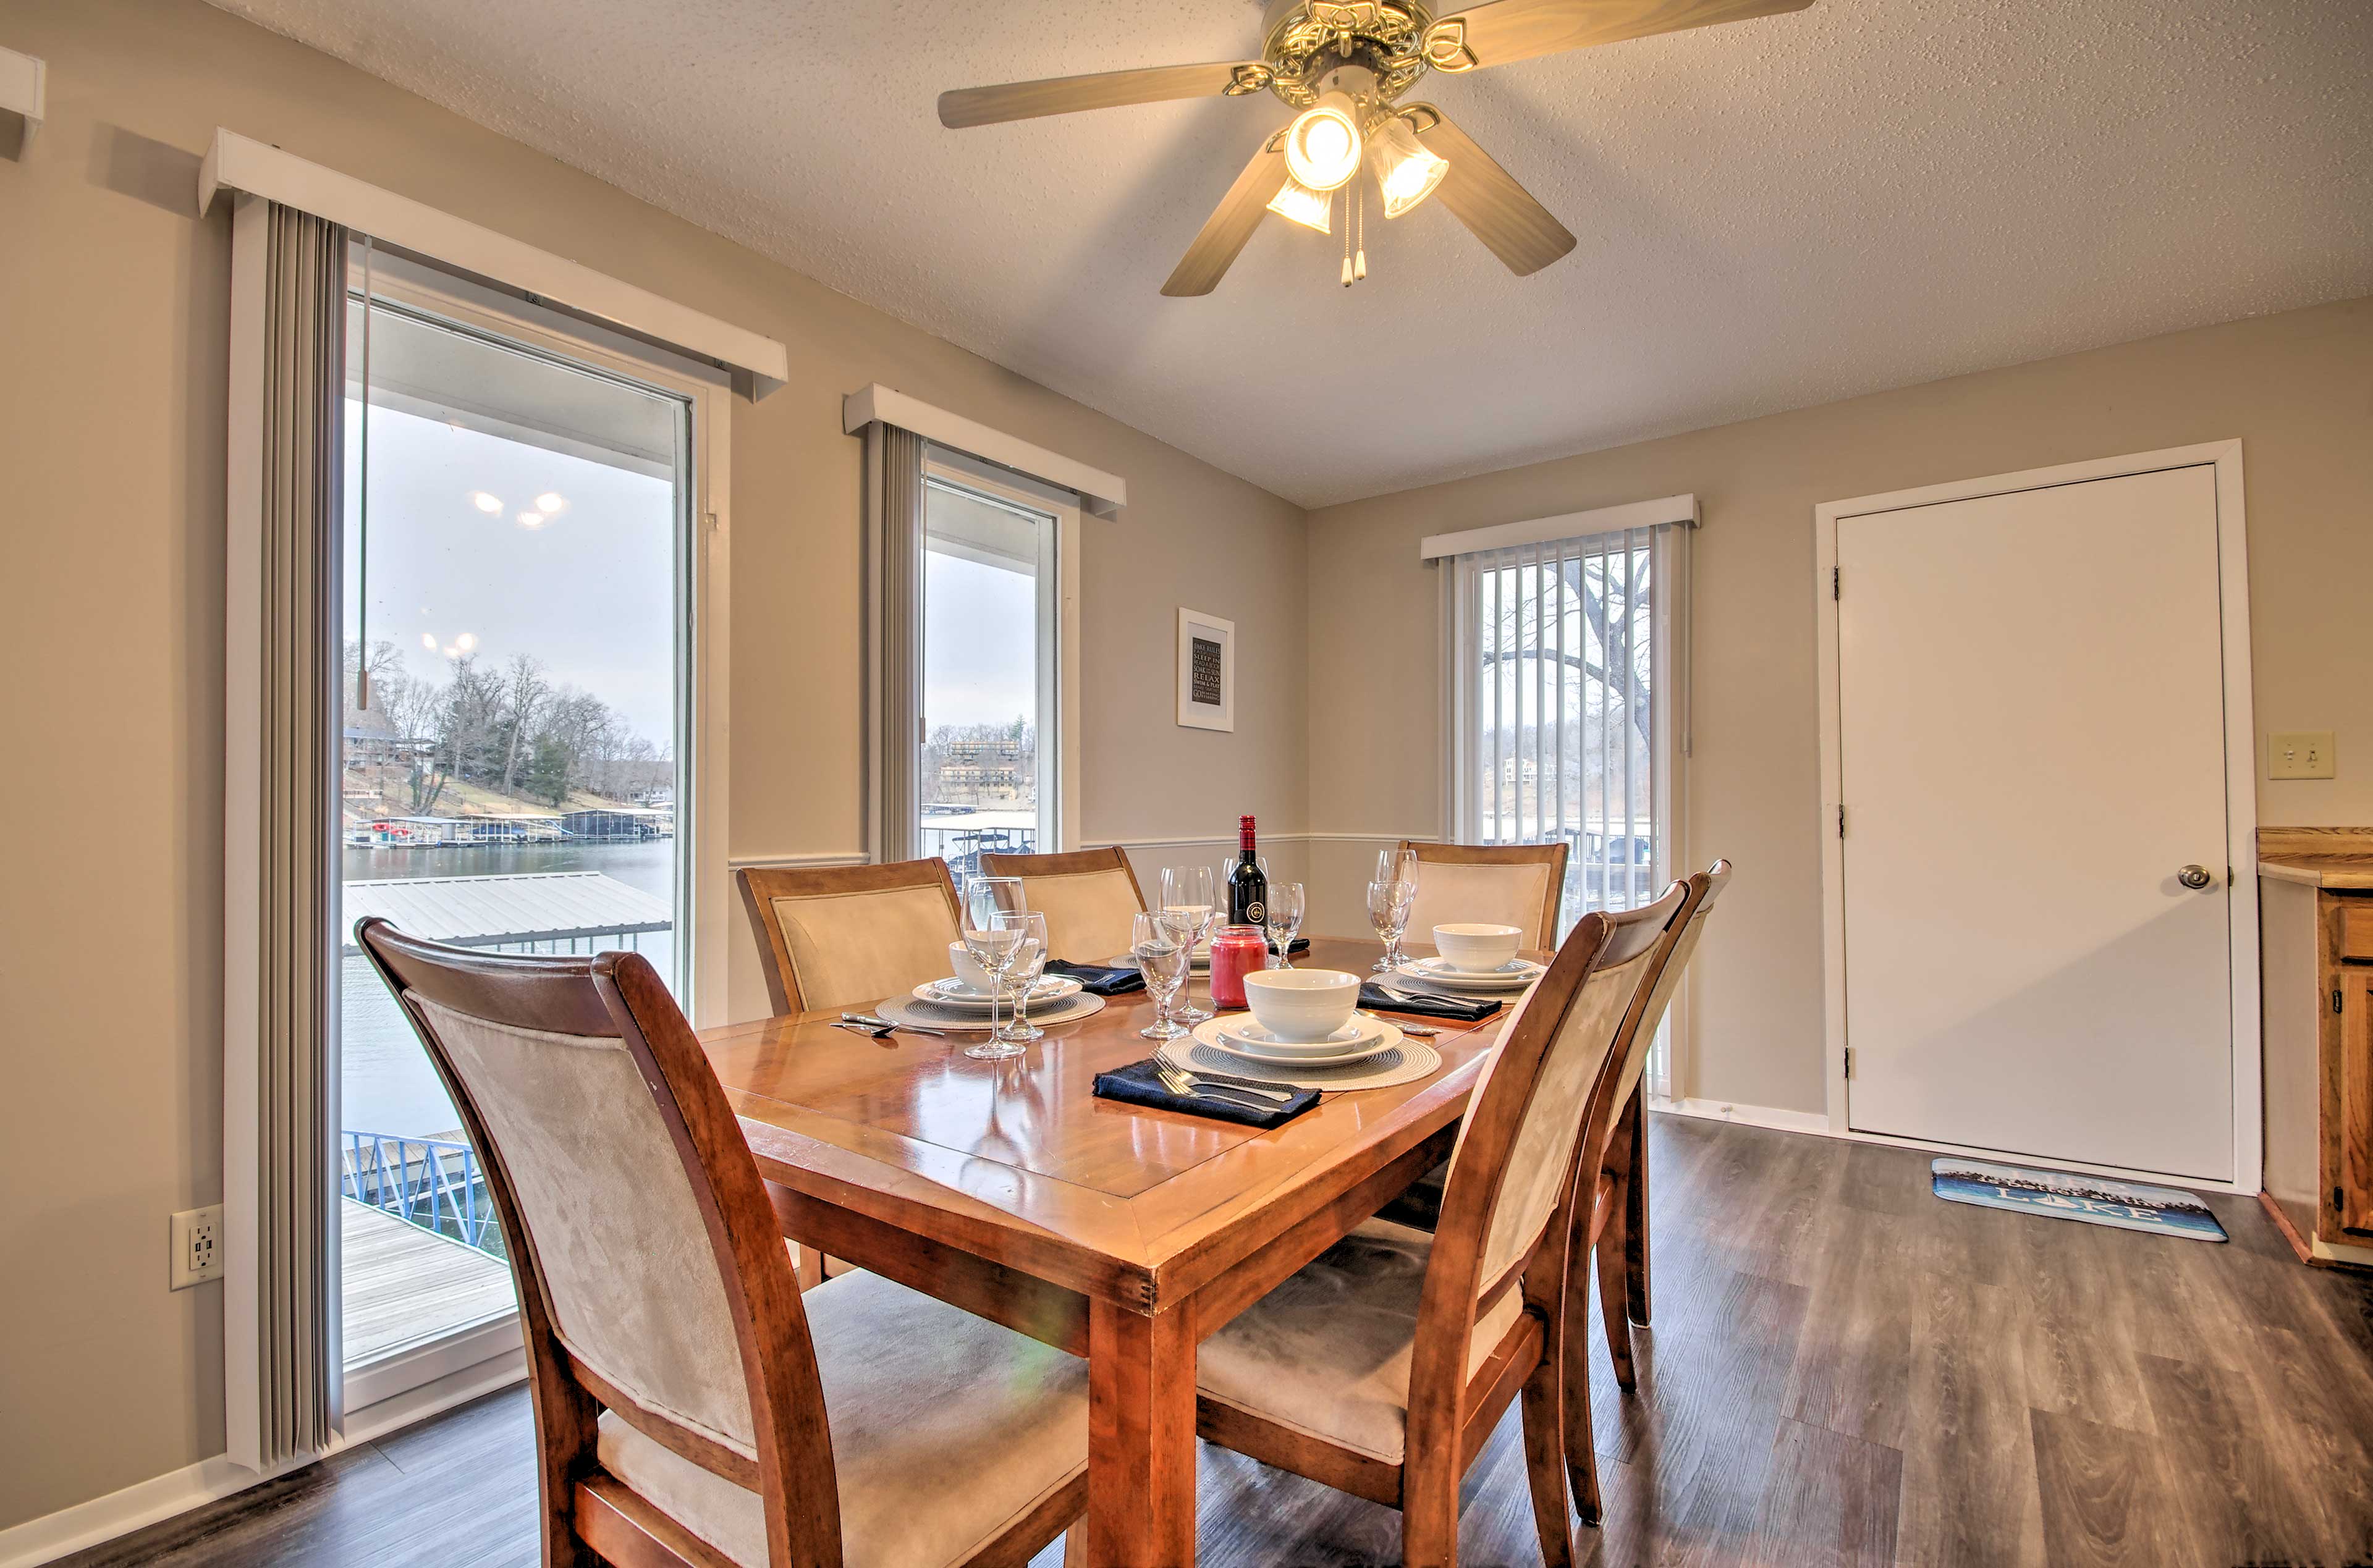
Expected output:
(1101, 494)
(240, 163)
(1666, 510)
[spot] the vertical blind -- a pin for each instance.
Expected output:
(1561, 718)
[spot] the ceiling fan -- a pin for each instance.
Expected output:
(1344, 64)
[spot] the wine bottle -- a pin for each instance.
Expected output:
(1247, 889)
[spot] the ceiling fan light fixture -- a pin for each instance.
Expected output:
(1299, 203)
(1322, 147)
(1407, 170)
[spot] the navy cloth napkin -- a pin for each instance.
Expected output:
(1138, 1084)
(1426, 1006)
(1097, 980)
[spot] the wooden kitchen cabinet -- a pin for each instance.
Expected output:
(2316, 968)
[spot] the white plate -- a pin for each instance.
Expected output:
(1367, 1037)
(953, 993)
(1518, 973)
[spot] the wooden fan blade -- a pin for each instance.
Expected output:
(1521, 30)
(1231, 223)
(1487, 198)
(1108, 89)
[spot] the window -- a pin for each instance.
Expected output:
(990, 735)
(522, 560)
(1565, 715)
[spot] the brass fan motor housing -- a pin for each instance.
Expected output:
(1309, 39)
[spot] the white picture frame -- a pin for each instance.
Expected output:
(1207, 671)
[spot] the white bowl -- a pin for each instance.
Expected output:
(1477, 949)
(961, 965)
(1301, 1006)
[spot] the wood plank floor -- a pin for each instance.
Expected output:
(1843, 1370)
(404, 1284)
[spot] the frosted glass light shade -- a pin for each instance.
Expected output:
(1322, 147)
(1406, 168)
(1311, 209)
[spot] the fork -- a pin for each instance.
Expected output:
(878, 1027)
(1191, 1087)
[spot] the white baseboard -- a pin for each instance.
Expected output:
(1779, 1120)
(163, 1497)
(68, 1530)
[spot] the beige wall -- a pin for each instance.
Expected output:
(112, 363)
(2298, 389)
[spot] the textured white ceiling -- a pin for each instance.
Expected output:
(1772, 214)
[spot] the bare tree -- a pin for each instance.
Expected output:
(525, 692)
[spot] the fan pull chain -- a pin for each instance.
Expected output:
(1347, 236)
(1359, 229)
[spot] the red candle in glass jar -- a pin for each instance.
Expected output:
(1237, 951)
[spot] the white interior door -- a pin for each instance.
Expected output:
(2032, 749)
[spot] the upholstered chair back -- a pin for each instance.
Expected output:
(1090, 897)
(849, 935)
(1544, 1088)
(1517, 885)
(1705, 888)
(638, 1228)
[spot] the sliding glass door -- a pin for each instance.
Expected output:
(519, 530)
(988, 773)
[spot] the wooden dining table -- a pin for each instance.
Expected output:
(1117, 1233)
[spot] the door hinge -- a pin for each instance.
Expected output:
(2335, 1000)
(1842, 821)
(1837, 578)
(1850, 1062)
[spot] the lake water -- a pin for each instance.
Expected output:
(386, 1083)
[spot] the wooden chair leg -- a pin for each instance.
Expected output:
(1635, 1208)
(1574, 1399)
(1545, 1460)
(1430, 1514)
(1613, 1309)
(808, 1264)
(1075, 1547)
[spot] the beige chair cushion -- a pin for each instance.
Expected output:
(634, 1288)
(1450, 893)
(1327, 1354)
(946, 1430)
(1088, 912)
(848, 948)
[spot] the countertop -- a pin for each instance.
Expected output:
(2338, 858)
(2336, 871)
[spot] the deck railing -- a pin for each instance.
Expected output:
(434, 1183)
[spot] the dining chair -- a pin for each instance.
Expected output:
(849, 935)
(1382, 1366)
(693, 1409)
(1611, 1167)
(1518, 885)
(1088, 896)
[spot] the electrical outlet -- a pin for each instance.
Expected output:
(2299, 754)
(196, 1248)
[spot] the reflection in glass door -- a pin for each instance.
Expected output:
(517, 528)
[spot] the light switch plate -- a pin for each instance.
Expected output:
(2299, 754)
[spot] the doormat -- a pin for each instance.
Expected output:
(2069, 1195)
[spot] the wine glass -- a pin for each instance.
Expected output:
(1396, 866)
(1187, 893)
(1388, 912)
(1284, 918)
(995, 947)
(1028, 965)
(1162, 943)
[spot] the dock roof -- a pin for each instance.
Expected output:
(484, 912)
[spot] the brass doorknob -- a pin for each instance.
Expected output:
(2194, 877)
